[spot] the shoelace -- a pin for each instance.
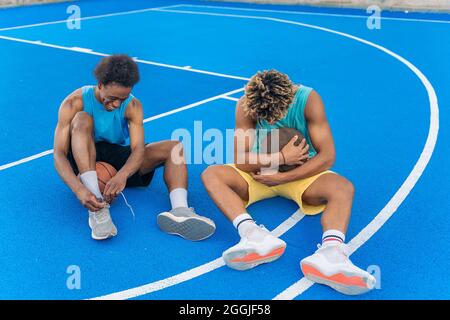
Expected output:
(129, 206)
(101, 216)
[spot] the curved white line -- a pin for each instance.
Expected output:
(195, 272)
(381, 218)
(401, 194)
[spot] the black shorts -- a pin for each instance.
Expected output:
(116, 155)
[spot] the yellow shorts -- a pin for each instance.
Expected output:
(291, 190)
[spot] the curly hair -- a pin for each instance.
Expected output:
(268, 96)
(120, 69)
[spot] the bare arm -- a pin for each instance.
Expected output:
(135, 116)
(69, 107)
(244, 137)
(321, 138)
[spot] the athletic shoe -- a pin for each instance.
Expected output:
(257, 247)
(186, 223)
(331, 266)
(101, 224)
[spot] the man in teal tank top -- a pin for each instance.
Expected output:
(272, 101)
(105, 123)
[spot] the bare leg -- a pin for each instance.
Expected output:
(227, 189)
(337, 192)
(82, 142)
(170, 154)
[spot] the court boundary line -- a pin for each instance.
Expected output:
(315, 13)
(96, 53)
(381, 218)
(149, 119)
(86, 18)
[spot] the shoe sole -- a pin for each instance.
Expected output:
(110, 235)
(248, 259)
(190, 228)
(346, 284)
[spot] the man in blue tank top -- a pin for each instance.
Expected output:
(105, 123)
(271, 101)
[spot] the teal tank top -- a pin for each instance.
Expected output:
(295, 118)
(109, 126)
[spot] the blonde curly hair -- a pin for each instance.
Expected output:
(268, 96)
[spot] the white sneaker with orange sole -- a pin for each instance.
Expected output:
(258, 247)
(331, 266)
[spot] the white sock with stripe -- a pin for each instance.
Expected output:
(332, 237)
(244, 223)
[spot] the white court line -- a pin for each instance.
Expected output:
(189, 106)
(165, 114)
(314, 13)
(86, 18)
(231, 98)
(195, 272)
(27, 159)
(153, 63)
(390, 208)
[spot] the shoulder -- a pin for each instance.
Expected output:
(241, 115)
(314, 106)
(134, 109)
(73, 102)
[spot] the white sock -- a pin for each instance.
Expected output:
(178, 198)
(244, 223)
(89, 179)
(332, 237)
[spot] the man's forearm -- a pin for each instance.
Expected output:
(253, 162)
(133, 163)
(313, 166)
(65, 171)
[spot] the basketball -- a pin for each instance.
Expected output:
(105, 172)
(284, 136)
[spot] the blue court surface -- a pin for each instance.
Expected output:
(387, 98)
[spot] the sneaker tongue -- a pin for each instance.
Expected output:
(102, 215)
(334, 253)
(256, 234)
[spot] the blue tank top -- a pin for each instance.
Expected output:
(295, 118)
(109, 126)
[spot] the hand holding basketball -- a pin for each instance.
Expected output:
(295, 153)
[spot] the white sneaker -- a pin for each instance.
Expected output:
(331, 266)
(258, 247)
(101, 224)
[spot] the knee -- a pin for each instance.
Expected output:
(82, 122)
(176, 146)
(346, 189)
(211, 176)
(176, 152)
(342, 190)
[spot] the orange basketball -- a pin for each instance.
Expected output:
(105, 172)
